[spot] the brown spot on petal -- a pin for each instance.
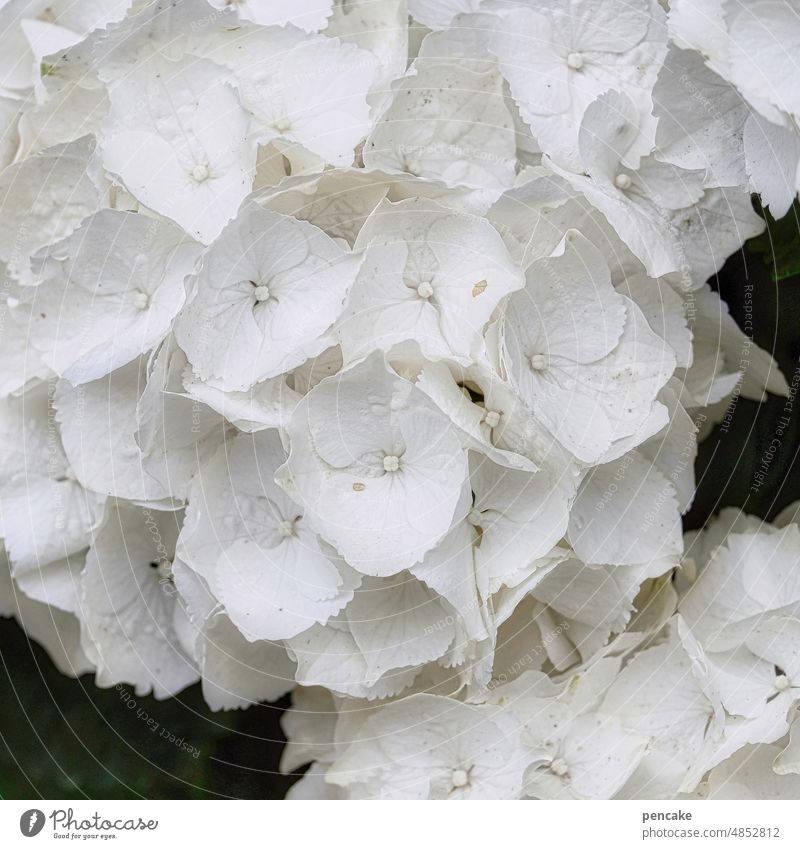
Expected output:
(479, 288)
(359, 487)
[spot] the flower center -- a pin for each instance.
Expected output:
(200, 173)
(163, 569)
(261, 293)
(559, 767)
(459, 778)
(622, 182)
(538, 362)
(781, 683)
(492, 418)
(283, 125)
(425, 290)
(286, 528)
(391, 463)
(575, 61)
(141, 300)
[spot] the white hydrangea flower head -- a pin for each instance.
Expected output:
(361, 350)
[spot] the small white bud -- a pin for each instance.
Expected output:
(459, 778)
(575, 61)
(425, 290)
(492, 418)
(261, 293)
(141, 300)
(622, 182)
(200, 173)
(538, 362)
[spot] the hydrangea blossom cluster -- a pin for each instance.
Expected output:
(695, 698)
(359, 349)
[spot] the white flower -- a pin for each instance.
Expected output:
(269, 290)
(747, 577)
(178, 138)
(125, 436)
(751, 773)
(11, 113)
(577, 607)
(580, 753)
(717, 361)
(337, 201)
(253, 545)
(19, 362)
(699, 25)
(447, 121)
(707, 233)
(518, 516)
(701, 118)
(309, 729)
(302, 89)
(56, 630)
(483, 425)
(559, 58)
(33, 28)
(787, 762)
(54, 190)
(580, 355)
(593, 761)
(451, 570)
(267, 404)
(428, 747)
(108, 293)
(664, 309)
(46, 515)
(381, 29)
(743, 610)
(129, 614)
(376, 466)
(236, 673)
(662, 694)
(626, 512)
(638, 200)
(430, 275)
(764, 43)
(378, 645)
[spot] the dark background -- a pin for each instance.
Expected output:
(64, 738)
